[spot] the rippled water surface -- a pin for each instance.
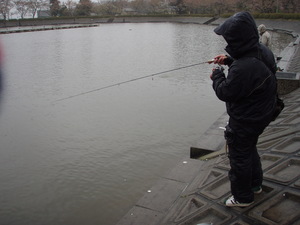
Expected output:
(88, 159)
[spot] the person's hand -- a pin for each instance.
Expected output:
(220, 59)
(217, 72)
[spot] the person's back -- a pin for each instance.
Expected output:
(251, 98)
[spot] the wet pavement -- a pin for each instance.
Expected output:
(193, 192)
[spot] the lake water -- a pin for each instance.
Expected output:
(89, 158)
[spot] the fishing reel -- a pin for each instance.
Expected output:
(218, 67)
(217, 71)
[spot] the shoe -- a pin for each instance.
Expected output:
(257, 190)
(231, 202)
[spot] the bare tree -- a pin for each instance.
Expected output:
(108, 8)
(290, 6)
(220, 6)
(139, 5)
(5, 7)
(154, 6)
(265, 6)
(70, 7)
(35, 5)
(54, 7)
(84, 8)
(22, 7)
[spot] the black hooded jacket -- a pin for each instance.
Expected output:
(250, 87)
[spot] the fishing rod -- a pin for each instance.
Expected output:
(134, 79)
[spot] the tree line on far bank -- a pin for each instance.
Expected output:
(70, 8)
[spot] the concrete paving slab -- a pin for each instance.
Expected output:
(211, 142)
(211, 176)
(224, 163)
(283, 208)
(297, 184)
(286, 172)
(217, 189)
(138, 215)
(294, 119)
(185, 171)
(205, 177)
(240, 222)
(266, 145)
(291, 145)
(212, 215)
(270, 160)
(185, 209)
(162, 195)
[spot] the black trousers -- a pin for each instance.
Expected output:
(246, 171)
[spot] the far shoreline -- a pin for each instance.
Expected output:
(281, 24)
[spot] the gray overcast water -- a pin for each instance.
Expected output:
(88, 159)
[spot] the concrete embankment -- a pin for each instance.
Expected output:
(9, 30)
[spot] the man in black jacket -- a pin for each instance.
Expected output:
(249, 91)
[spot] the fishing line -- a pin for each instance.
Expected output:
(128, 81)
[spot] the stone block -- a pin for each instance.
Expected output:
(291, 145)
(186, 170)
(269, 160)
(138, 215)
(280, 209)
(285, 172)
(211, 215)
(187, 208)
(162, 195)
(218, 189)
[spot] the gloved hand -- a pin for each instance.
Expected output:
(217, 72)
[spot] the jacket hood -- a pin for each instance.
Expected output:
(240, 33)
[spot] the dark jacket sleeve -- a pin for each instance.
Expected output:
(232, 88)
(228, 61)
